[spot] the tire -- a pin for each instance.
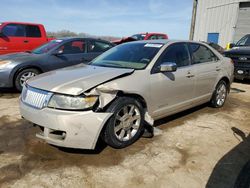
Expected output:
(243, 180)
(24, 75)
(125, 126)
(220, 94)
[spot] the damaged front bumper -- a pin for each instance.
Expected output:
(73, 129)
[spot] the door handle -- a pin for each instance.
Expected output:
(218, 69)
(25, 41)
(189, 75)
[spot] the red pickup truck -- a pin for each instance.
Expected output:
(20, 37)
(141, 36)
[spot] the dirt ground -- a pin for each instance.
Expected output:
(201, 147)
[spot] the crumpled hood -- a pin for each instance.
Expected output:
(76, 79)
(22, 56)
(244, 50)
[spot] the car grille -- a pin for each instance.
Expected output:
(35, 97)
(240, 63)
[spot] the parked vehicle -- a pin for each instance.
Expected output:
(240, 54)
(21, 37)
(217, 47)
(16, 68)
(124, 89)
(142, 36)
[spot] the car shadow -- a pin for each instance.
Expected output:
(8, 93)
(100, 146)
(230, 167)
(179, 115)
(8, 90)
(245, 81)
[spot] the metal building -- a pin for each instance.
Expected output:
(220, 21)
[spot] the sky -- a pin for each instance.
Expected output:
(118, 18)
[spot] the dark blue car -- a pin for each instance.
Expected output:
(16, 68)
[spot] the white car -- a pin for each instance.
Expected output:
(124, 89)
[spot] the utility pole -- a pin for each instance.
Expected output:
(191, 35)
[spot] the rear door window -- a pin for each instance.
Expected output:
(202, 54)
(33, 31)
(153, 37)
(74, 47)
(14, 30)
(161, 37)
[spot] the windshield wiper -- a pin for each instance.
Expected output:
(105, 66)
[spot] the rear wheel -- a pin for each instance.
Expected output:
(126, 124)
(219, 95)
(23, 76)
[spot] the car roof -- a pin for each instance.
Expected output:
(164, 41)
(24, 23)
(79, 38)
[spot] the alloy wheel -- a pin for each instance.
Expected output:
(221, 95)
(127, 122)
(25, 76)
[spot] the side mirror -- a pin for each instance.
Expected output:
(231, 45)
(57, 52)
(168, 67)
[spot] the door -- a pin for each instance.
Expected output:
(34, 36)
(172, 91)
(243, 23)
(13, 39)
(206, 66)
(213, 37)
(71, 53)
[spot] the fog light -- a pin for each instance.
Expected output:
(240, 71)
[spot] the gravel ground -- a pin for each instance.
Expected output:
(201, 147)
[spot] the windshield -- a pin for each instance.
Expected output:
(244, 41)
(47, 47)
(138, 36)
(129, 55)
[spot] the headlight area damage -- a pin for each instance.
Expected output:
(64, 102)
(74, 118)
(107, 94)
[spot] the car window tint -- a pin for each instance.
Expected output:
(97, 46)
(201, 54)
(176, 53)
(153, 37)
(161, 37)
(14, 30)
(33, 31)
(74, 47)
(138, 36)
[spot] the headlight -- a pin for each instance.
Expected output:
(72, 102)
(4, 63)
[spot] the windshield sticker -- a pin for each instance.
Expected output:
(153, 45)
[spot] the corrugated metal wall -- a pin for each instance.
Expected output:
(216, 16)
(243, 22)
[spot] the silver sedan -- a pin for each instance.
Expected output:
(123, 91)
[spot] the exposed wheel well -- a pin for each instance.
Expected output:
(227, 82)
(135, 96)
(23, 68)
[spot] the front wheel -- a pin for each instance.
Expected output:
(220, 94)
(126, 124)
(23, 76)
